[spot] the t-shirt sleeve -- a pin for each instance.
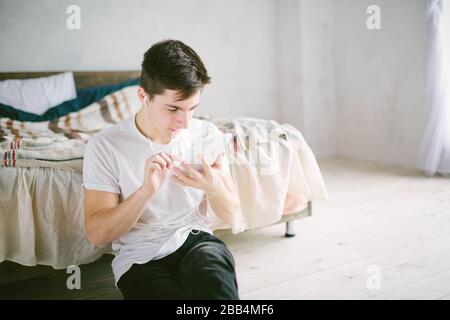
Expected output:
(98, 168)
(214, 131)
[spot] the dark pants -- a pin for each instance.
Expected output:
(202, 268)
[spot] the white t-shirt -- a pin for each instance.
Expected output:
(114, 161)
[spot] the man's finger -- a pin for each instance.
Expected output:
(166, 158)
(218, 163)
(183, 177)
(191, 170)
(160, 160)
(206, 167)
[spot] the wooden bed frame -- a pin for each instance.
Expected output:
(82, 78)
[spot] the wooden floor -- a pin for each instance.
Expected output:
(97, 282)
(384, 233)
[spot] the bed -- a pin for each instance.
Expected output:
(41, 213)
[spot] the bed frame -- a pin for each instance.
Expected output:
(289, 219)
(82, 78)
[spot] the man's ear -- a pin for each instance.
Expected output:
(141, 94)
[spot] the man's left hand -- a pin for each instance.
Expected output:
(209, 179)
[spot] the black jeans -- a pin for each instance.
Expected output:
(202, 268)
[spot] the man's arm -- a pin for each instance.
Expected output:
(225, 201)
(106, 219)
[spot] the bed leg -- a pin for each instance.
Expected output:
(290, 230)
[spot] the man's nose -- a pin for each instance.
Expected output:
(183, 120)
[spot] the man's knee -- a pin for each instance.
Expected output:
(207, 272)
(208, 256)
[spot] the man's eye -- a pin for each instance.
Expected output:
(172, 110)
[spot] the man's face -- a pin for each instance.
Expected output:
(168, 116)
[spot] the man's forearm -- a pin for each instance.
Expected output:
(107, 225)
(224, 203)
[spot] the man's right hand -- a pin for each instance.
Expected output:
(156, 170)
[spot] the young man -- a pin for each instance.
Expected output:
(137, 198)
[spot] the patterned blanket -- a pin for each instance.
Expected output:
(60, 143)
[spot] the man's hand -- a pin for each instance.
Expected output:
(219, 190)
(208, 180)
(155, 172)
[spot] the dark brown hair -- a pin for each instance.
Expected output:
(170, 64)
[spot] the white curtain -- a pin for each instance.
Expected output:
(434, 155)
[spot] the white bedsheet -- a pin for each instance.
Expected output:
(271, 182)
(41, 218)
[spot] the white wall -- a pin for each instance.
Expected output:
(380, 88)
(305, 65)
(311, 63)
(357, 93)
(234, 38)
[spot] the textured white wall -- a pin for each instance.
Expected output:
(306, 71)
(289, 54)
(311, 63)
(380, 88)
(318, 75)
(234, 38)
(356, 93)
